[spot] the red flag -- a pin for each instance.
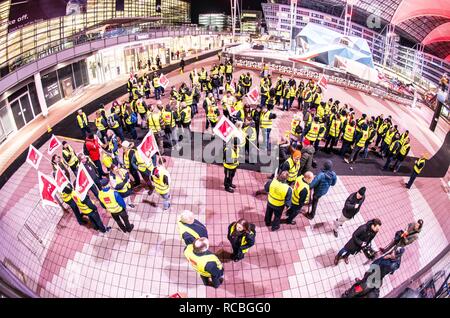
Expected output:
(47, 188)
(148, 146)
(61, 179)
(34, 157)
(84, 182)
(53, 145)
(323, 81)
(253, 95)
(163, 80)
(225, 129)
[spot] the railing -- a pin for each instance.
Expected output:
(53, 47)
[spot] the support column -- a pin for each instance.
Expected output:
(292, 20)
(40, 94)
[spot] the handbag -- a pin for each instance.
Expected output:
(369, 252)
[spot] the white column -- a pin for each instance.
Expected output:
(40, 94)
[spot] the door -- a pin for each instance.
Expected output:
(22, 111)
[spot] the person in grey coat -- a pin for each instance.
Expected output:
(306, 161)
(404, 238)
(351, 208)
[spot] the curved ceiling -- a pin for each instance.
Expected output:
(409, 9)
(439, 34)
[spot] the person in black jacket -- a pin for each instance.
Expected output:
(351, 208)
(360, 239)
(241, 235)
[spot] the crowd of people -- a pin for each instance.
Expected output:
(119, 169)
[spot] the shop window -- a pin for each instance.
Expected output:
(52, 90)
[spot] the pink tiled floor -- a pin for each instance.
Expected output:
(74, 261)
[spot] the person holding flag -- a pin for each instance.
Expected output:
(93, 173)
(230, 163)
(113, 202)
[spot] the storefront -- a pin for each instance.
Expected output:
(64, 81)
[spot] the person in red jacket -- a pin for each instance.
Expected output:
(93, 148)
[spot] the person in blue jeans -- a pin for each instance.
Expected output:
(321, 184)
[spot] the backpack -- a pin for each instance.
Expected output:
(133, 118)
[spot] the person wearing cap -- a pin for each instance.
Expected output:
(190, 228)
(230, 163)
(119, 179)
(321, 184)
(300, 196)
(113, 202)
(351, 208)
(161, 181)
(292, 166)
(204, 262)
(83, 123)
(279, 196)
(417, 169)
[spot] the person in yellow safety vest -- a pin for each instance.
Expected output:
(145, 169)
(190, 228)
(317, 99)
(204, 262)
(229, 88)
(70, 157)
(112, 202)
(327, 107)
(185, 115)
(264, 91)
(130, 162)
(227, 102)
(229, 71)
(296, 128)
(419, 164)
(389, 135)
(360, 122)
(300, 196)
(279, 87)
(170, 116)
(212, 113)
(141, 109)
(120, 181)
(334, 131)
(249, 131)
(154, 120)
(381, 131)
(83, 123)
(247, 82)
(230, 163)
(360, 144)
(322, 131)
(161, 181)
(266, 118)
(286, 97)
(394, 148)
(348, 138)
(238, 114)
(107, 160)
(279, 196)
(311, 131)
(241, 235)
(307, 100)
(403, 152)
(88, 208)
(292, 166)
(136, 92)
(320, 112)
(404, 136)
(156, 86)
(66, 196)
(102, 124)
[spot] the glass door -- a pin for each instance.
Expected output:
(22, 111)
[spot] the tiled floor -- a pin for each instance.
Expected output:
(74, 261)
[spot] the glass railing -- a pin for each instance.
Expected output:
(53, 47)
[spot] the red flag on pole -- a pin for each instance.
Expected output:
(47, 188)
(148, 146)
(53, 145)
(253, 95)
(84, 181)
(225, 129)
(323, 81)
(163, 80)
(34, 157)
(61, 179)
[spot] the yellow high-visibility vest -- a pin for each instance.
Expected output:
(109, 201)
(299, 185)
(313, 132)
(363, 139)
(234, 159)
(266, 122)
(293, 169)
(160, 186)
(198, 263)
(243, 240)
(349, 133)
(83, 207)
(416, 165)
(277, 193)
(82, 120)
(154, 121)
